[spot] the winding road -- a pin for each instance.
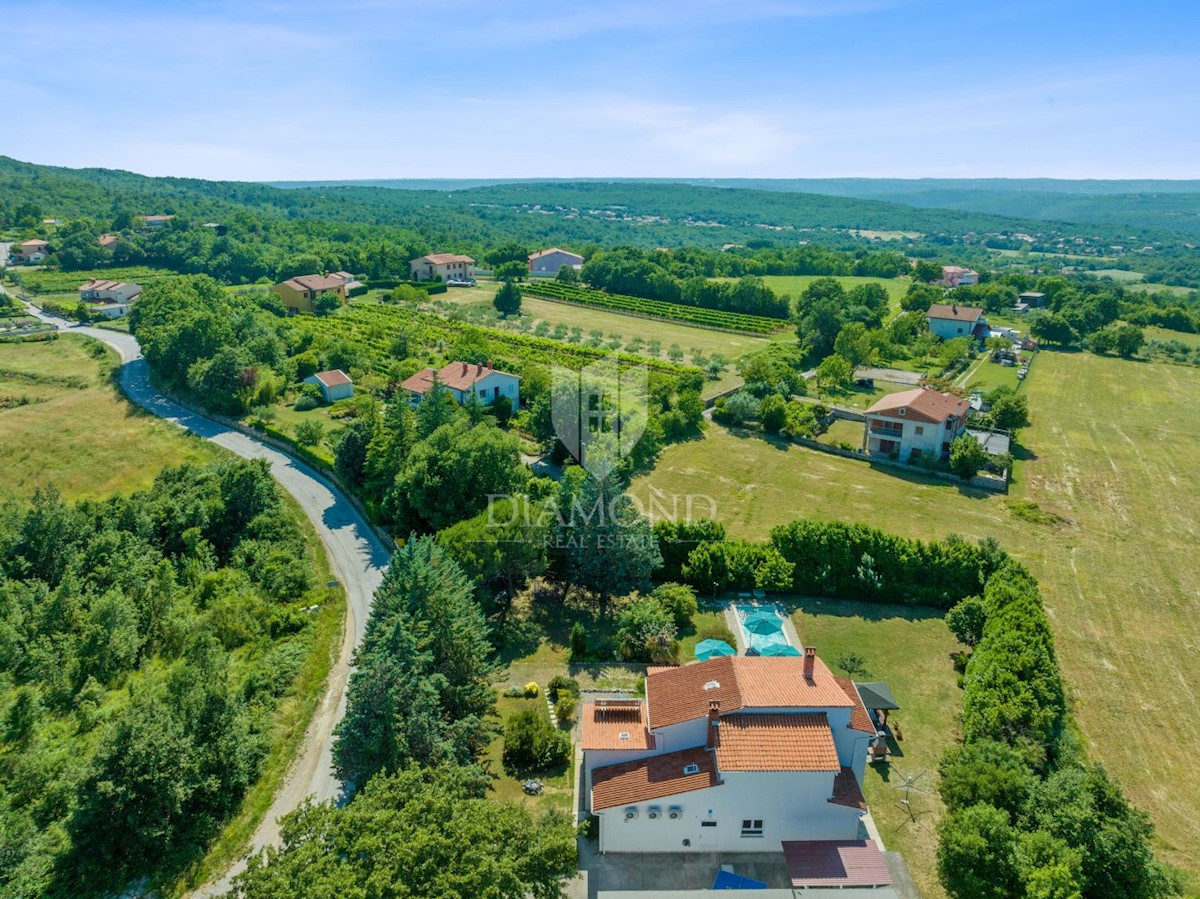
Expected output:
(356, 555)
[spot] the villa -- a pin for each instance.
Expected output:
(734, 754)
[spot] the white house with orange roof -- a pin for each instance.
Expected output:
(949, 320)
(920, 422)
(446, 266)
(735, 754)
(463, 379)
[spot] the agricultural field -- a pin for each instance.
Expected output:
(1111, 540)
(44, 281)
(690, 339)
(695, 315)
(76, 432)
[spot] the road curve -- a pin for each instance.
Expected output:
(356, 555)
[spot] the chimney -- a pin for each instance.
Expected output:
(954, 308)
(489, 365)
(714, 722)
(478, 368)
(466, 365)
(810, 662)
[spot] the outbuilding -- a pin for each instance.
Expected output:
(334, 385)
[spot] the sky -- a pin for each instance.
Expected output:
(314, 89)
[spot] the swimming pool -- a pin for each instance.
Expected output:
(757, 644)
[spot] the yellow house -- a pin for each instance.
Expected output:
(298, 294)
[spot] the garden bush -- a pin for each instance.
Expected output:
(532, 743)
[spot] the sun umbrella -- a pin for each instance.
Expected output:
(710, 649)
(763, 623)
(779, 649)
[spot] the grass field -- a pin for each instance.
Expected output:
(1165, 335)
(1115, 451)
(910, 649)
(79, 434)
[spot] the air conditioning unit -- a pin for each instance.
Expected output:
(631, 813)
(674, 812)
(654, 813)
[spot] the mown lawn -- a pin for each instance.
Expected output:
(909, 649)
(80, 436)
(794, 285)
(1114, 450)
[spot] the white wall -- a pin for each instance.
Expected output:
(792, 805)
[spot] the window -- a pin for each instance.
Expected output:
(752, 828)
(949, 424)
(920, 429)
(708, 823)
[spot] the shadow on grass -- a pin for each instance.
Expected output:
(856, 608)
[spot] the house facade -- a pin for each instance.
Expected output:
(299, 294)
(949, 320)
(334, 385)
(957, 276)
(914, 423)
(97, 290)
(30, 251)
(733, 754)
(156, 221)
(548, 262)
(441, 265)
(464, 379)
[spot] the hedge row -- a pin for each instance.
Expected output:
(852, 561)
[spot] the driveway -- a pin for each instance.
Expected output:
(356, 555)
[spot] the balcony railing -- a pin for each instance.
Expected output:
(884, 430)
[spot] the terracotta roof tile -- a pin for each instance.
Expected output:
(458, 375)
(444, 258)
(314, 282)
(335, 378)
(737, 682)
(860, 718)
(846, 790)
(801, 742)
(836, 863)
(922, 404)
(619, 724)
(955, 313)
(629, 783)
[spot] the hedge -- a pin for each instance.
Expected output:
(851, 561)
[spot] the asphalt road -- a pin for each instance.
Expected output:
(357, 557)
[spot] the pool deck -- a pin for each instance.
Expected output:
(735, 624)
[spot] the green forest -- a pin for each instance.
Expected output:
(145, 643)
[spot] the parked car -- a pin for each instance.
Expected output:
(460, 282)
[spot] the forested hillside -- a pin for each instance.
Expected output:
(145, 643)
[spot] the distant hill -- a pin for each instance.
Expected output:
(1133, 204)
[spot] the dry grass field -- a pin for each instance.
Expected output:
(77, 433)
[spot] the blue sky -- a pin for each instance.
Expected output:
(664, 88)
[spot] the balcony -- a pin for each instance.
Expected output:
(882, 429)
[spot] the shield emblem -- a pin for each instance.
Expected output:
(600, 411)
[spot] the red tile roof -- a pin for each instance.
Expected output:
(107, 240)
(614, 724)
(314, 282)
(629, 783)
(860, 719)
(737, 682)
(335, 378)
(922, 404)
(35, 242)
(836, 863)
(801, 742)
(458, 375)
(846, 790)
(445, 258)
(955, 313)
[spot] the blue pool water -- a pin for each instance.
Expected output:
(760, 641)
